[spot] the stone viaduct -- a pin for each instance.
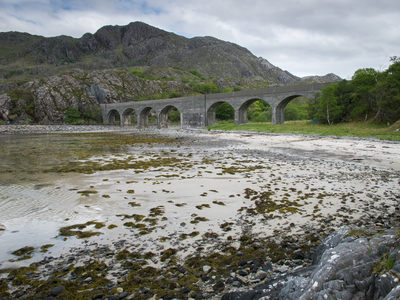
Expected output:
(199, 111)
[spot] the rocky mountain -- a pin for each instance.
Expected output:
(136, 44)
(131, 62)
(327, 78)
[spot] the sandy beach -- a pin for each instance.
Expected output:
(181, 201)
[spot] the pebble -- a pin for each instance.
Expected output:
(206, 269)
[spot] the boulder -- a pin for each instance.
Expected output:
(346, 266)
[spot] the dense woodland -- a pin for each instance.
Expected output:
(371, 95)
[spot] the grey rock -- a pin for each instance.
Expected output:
(338, 285)
(101, 94)
(56, 291)
(394, 294)
(4, 106)
(384, 284)
(331, 241)
(344, 270)
(292, 290)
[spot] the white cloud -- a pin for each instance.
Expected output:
(304, 37)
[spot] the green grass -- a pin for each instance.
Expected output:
(351, 129)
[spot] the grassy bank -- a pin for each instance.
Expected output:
(353, 129)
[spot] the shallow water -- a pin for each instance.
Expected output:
(186, 179)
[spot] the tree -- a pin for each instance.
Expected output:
(370, 95)
(327, 109)
(259, 111)
(363, 102)
(387, 92)
(224, 111)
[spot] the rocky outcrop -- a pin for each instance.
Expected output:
(4, 106)
(326, 78)
(46, 101)
(349, 264)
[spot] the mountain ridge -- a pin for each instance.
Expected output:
(139, 44)
(41, 78)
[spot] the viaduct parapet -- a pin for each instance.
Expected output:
(199, 111)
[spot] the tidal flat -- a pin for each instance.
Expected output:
(178, 214)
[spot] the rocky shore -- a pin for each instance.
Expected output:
(286, 239)
(33, 129)
(351, 263)
(348, 264)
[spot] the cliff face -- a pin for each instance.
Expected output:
(46, 101)
(40, 78)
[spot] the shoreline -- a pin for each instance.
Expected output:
(236, 260)
(64, 128)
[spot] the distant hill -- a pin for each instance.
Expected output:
(116, 58)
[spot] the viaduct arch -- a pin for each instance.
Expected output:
(199, 111)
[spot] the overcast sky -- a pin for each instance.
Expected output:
(305, 37)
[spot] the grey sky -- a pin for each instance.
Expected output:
(305, 37)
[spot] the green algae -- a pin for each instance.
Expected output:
(227, 226)
(233, 170)
(151, 221)
(140, 226)
(157, 211)
(264, 203)
(125, 254)
(166, 254)
(134, 204)
(80, 234)
(129, 163)
(112, 226)
(4, 288)
(173, 279)
(87, 192)
(198, 219)
(90, 279)
(23, 253)
(218, 202)
(201, 206)
(46, 247)
(60, 152)
(136, 217)
(184, 236)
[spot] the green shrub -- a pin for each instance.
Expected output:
(206, 88)
(224, 112)
(22, 101)
(174, 94)
(174, 116)
(197, 73)
(73, 116)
